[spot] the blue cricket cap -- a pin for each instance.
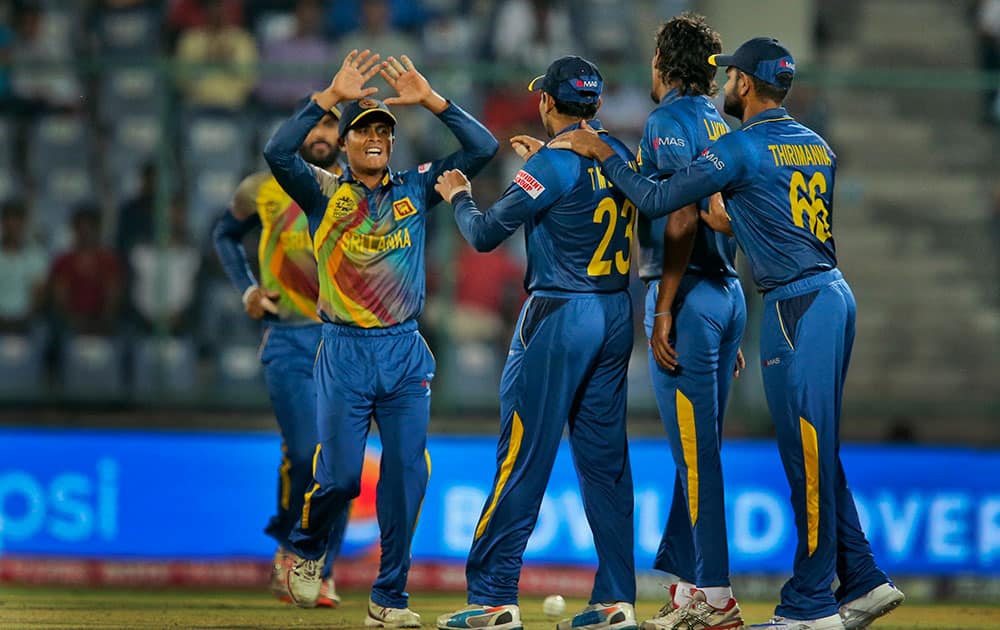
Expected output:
(762, 57)
(571, 80)
(355, 111)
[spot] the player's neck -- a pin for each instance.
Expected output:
(756, 106)
(560, 122)
(370, 180)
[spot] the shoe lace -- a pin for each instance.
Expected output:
(310, 570)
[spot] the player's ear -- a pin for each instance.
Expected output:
(600, 101)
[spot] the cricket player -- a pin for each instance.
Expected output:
(285, 298)
(777, 177)
(368, 233)
(695, 316)
(567, 362)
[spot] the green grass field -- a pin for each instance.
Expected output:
(49, 607)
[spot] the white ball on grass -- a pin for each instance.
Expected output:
(554, 605)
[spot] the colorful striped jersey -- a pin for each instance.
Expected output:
(370, 243)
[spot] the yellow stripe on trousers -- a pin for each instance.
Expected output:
(689, 444)
(309, 495)
(810, 459)
(516, 434)
(286, 480)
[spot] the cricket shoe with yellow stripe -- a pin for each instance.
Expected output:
(603, 616)
(475, 616)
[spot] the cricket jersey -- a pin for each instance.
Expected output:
(676, 131)
(578, 226)
(285, 252)
(369, 244)
(777, 179)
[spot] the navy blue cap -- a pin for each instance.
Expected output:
(570, 80)
(355, 111)
(764, 58)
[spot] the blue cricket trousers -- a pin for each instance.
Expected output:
(567, 364)
(288, 353)
(709, 318)
(365, 373)
(807, 332)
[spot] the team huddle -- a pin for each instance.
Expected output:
(342, 283)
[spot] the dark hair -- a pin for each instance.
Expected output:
(586, 111)
(86, 211)
(768, 91)
(685, 43)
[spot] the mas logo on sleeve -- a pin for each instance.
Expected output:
(529, 184)
(423, 168)
(403, 208)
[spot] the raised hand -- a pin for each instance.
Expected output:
(449, 183)
(526, 146)
(349, 82)
(412, 87)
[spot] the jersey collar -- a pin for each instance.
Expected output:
(593, 123)
(768, 115)
(672, 95)
(389, 177)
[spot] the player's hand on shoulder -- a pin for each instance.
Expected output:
(716, 216)
(258, 301)
(450, 183)
(411, 86)
(526, 146)
(584, 141)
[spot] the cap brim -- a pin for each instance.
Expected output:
(369, 112)
(722, 61)
(534, 85)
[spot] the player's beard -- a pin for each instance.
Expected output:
(733, 106)
(325, 161)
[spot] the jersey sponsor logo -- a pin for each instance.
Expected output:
(403, 208)
(785, 63)
(423, 168)
(772, 362)
(667, 141)
(714, 159)
(529, 184)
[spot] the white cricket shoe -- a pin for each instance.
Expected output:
(280, 566)
(507, 617)
(861, 612)
(833, 622)
(602, 616)
(385, 617)
(304, 580)
(328, 597)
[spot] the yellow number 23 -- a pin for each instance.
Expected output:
(607, 209)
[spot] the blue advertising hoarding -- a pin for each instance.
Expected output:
(208, 495)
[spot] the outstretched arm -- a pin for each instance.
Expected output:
(281, 153)
(704, 176)
(484, 230)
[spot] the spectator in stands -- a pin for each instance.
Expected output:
(86, 281)
(38, 43)
(218, 62)
(345, 16)
(184, 15)
(302, 57)
(165, 279)
(24, 264)
(376, 32)
(531, 33)
(136, 215)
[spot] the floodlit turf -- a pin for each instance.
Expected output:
(49, 607)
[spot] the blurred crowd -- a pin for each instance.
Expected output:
(125, 126)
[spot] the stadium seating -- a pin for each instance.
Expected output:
(164, 366)
(91, 367)
(21, 368)
(128, 91)
(133, 32)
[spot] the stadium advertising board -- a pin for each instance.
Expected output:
(184, 495)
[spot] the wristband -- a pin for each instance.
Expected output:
(246, 294)
(662, 313)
